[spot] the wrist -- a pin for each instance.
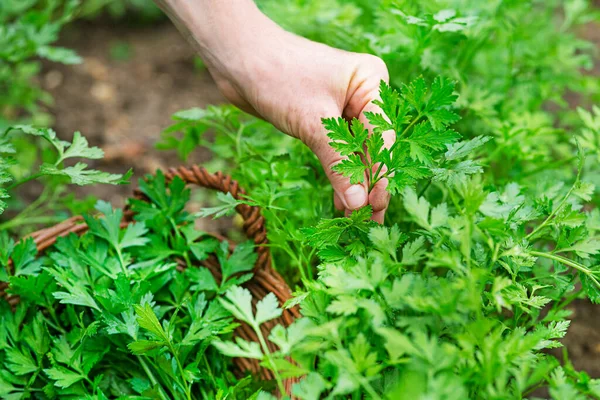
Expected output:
(226, 33)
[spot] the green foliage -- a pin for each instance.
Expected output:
(142, 10)
(490, 235)
(130, 325)
(462, 307)
(28, 30)
(417, 116)
(54, 172)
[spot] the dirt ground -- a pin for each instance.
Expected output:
(134, 78)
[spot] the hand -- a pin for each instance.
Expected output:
(292, 83)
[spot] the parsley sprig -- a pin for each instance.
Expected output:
(418, 115)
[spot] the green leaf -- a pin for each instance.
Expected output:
(344, 141)
(238, 301)
(148, 320)
(585, 248)
(201, 279)
(352, 167)
(387, 240)
(202, 249)
(442, 93)
(311, 387)
(59, 54)
(36, 289)
(242, 258)
(134, 235)
(590, 287)
(396, 344)
(6, 388)
(415, 93)
(80, 148)
(241, 348)
(413, 251)
(24, 257)
(63, 377)
(140, 347)
(229, 203)
(456, 174)
(77, 295)
(80, 175)
(466, 147)
(20, 361)
(417, 207)
(267, 309)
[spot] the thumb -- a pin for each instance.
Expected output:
(350, 196)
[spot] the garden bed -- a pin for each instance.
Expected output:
(488, 261)
(123, 104)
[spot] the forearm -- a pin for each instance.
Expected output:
(219, 29)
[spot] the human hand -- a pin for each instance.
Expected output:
(291, 82)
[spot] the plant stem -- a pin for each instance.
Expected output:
(557, 209)
(410, 126)
(54, 318)
(422, 192)
(186, 387)
(376, 179)
(581, 268)
(121, 260)
(263, 344)
(19, 183)
(288, 250)
(29, 221)
(210, 373)
(152, 378)
(397, 142)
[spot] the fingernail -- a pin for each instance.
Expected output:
(356, 197)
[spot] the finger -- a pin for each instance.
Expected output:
(337, 202)
(351, 196)
(379, 216)
(379, 198)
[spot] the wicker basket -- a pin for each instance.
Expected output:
(264, 281)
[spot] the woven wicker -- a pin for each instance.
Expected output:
(265, 279)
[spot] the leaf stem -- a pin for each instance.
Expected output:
(397, 142)
(152, 378)
(560, 206)
(29, 221)
(121, 260)
(263, 344)
(186, 387)
(25, 180)
(563, 260)
(373, 181)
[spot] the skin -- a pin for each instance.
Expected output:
(287, 80)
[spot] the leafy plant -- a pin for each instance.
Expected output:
(100, 316)
(28, 30)
(16, 171)
(491, 233)
(418, 116)
(459, 299)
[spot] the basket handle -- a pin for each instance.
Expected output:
(254, 222)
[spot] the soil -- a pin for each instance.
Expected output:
(133, 78)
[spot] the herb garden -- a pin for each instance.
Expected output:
(466, 291)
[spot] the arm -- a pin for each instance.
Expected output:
(285, 79)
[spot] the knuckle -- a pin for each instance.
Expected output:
(379, 67)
